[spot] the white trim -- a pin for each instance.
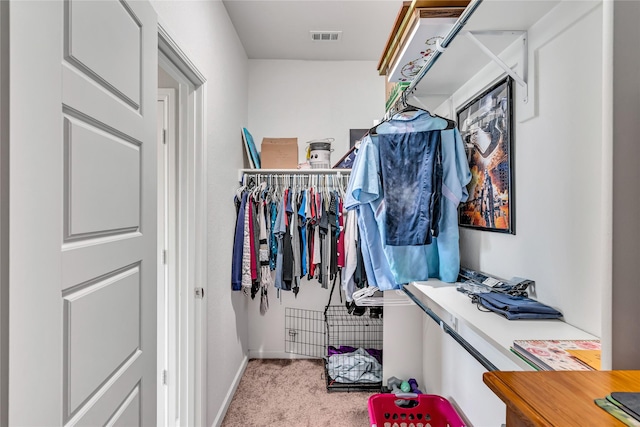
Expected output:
(168, 46)
(229, 397)
(200, 270)
(168, 299)
(192, 201)
(259, 354)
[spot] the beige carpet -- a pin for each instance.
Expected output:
(293, 393)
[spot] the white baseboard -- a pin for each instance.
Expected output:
(229, 397)
(259, 354)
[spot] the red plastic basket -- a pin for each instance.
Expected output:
(387, 410)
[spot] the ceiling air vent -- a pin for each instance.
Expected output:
(325, 36)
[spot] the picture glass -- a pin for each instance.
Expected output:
(485, 128)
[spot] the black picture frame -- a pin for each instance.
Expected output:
(356, 135)
(486, 127)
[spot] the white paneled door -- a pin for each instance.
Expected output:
(83, 78)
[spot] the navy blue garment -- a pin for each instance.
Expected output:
(273, 240)
(408, 163)
(236, 260)
(517, 307)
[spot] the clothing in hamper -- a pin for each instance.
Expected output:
(356, 367)
(331, 350)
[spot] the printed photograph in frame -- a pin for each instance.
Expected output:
(485, 125)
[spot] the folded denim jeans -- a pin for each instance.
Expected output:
(517, 307)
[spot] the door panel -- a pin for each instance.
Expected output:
(99, 32)
(102, 182)
(83, 261)
(83, 173)
(108, 308)
(101, 407)
(127, 414)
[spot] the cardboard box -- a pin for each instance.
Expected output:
(279, 153)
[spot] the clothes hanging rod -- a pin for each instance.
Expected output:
(447, 329)
(301, 172)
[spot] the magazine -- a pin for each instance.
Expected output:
(552, 355)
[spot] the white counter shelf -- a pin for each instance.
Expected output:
(491, 327)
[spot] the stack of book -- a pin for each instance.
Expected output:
(625, 406)
(559, 355)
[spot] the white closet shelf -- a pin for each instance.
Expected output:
(497, 24)
(491, 327)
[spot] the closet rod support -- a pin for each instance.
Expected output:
(447, 329)
(525, 57)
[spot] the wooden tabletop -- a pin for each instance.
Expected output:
(559, 398)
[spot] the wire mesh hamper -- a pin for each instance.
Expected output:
(326, 334)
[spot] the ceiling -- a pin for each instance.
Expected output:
(278, 29)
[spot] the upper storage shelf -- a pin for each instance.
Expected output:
(496, 24)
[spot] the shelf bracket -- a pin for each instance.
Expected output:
(521, 80)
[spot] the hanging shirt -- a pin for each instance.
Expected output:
(341, 255)
(236, 265)
(252, 239)
(408, 163)
(444, 253)
(350, 254)
(246, 249)
(303, 234)
(287, 249)
(391, 266)
(273, 240)
(295, 240)
(279, 232)
(365, 188)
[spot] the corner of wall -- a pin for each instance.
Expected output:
(4, 211)
(229, 396)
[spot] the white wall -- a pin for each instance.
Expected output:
(558, 170)
(313, 100)
(307, 100)
(204, 32)
(559, 176)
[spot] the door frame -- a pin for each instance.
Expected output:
(191, 253)
(169, 353)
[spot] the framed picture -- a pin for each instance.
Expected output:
(485, 124)
(250, 147)
(355, 135)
